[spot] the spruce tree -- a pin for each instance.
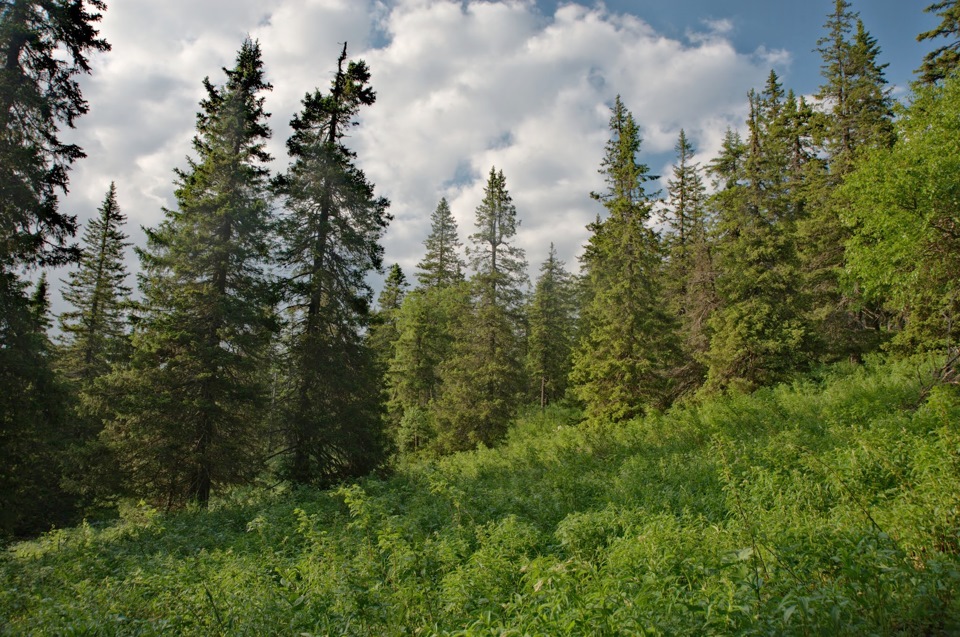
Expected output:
(189, 405)
(35, 428)
(330, 234)
(382, 334)
(551, 319)
(415, 380)
(441, 265)
(856, 115)
(483, 378)
(857, 108)
(628, 344)
(944, 60)
(757, 334)
(690, 275)
(95, 328)
(44, 47)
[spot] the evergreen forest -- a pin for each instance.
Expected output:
(739, 413)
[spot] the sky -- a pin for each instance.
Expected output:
(461, 86)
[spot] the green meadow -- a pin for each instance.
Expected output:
(829, 505)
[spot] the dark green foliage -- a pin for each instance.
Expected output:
(628, 343)
(757, 334)
(43, 48)
(551, 327)
(441, 265)
(34, 425)
(382, 334)
(95, 329)
(823, 508)
(188, 407)
(903, 205)
(942, 61)
(483, 377)
(425, 327)
(690, 274)
(330, 236)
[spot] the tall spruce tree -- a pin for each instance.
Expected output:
(856, 115)
(944, 60)
(757, 334)
(43, 49)
(188, 407)
(629, 342)
(95, 328)
(441, 265)
(483, 378)
(690, 276)
(551, 319)
(330, 236)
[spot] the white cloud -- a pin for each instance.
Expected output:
(462, 85)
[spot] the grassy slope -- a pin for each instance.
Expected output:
(827, 507)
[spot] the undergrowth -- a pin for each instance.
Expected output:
(829, 506)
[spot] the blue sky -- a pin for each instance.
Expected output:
(462, 86)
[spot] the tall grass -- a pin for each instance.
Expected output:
(829, 506)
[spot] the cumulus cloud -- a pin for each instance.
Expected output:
(462, 86)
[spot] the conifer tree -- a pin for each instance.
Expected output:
(757, 334)
(858, 111)
(188, 407)
(552, 330)
(944, 60)
(690, 276)
(330, 236)
(35, 429)
(441, 265)
(425, 334)
(499, 266)
(382, 334)
(483, 378)
(628, 344)
(95, 329)
(44, 46)
(856, 116)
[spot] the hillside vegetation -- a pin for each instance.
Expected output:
(826, 506)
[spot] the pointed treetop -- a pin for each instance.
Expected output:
(941, 62)
(441, 265)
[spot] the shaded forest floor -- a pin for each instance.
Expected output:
(828, 506)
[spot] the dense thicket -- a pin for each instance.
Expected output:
(824, 507)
